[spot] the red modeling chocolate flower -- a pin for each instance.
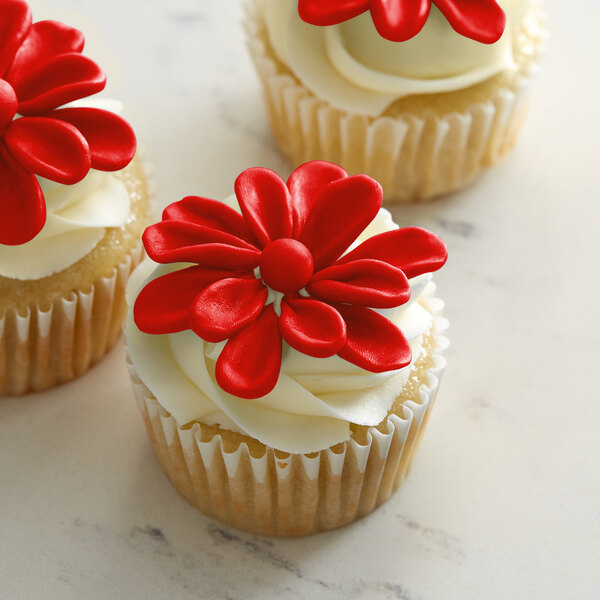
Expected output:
(286, 247)
(400, 20)
(42, 68)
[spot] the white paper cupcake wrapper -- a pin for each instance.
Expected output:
(284, 494)
(42, 348)
(414, 158)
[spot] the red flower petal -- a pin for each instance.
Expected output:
(373, 342)
(61, 79)
(110, 138)
(307, 183)
(312, 327)
(15, 21)
(318, 12)
(481, 20)
(45, 40)
(209, 213)
(412, 249)
(22, 203)
(265, 203)
(177, 241)
(341, 213)
(225, 307)
(8, 104)
(249, 365)
(163, 305)
(50, 148)
(361, 282)
(399, 20)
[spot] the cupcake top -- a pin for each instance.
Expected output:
(362, 56)
(286, 313)
(48, 141)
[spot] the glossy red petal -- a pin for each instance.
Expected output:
(363, 283)
(217, 256)
(15, 21)
(8, 104)
(110, 138)
(44, 40)
(225, 307)
(412, 249)
(307, 183)
(249, 365)
(319, 12)
(339, 216)
(399, 20)
(177, 241)
(265, 203)
(480, 20)
(373, 342)
(50, 148)
(61, 79)
(163, 305)
(312, 327)
(22, 206)
(209, 213)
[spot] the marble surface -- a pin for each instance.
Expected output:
(504, 499)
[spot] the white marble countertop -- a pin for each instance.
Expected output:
(504, 499)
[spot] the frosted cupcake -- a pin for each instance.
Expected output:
(420, 95)
(71, 209)
(287, 350)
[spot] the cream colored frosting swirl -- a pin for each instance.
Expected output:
(314, 401)
(352, 67)
(77, 218)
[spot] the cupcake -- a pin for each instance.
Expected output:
(286, 350)
(421, 96)
(73, 201)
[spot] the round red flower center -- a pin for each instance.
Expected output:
(8, 103)
(286, 265)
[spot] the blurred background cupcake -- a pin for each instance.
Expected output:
(287, 350)
(421, 95)
(73, 204)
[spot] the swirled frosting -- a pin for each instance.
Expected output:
(77, 218)
(315, 399)
(352, 67)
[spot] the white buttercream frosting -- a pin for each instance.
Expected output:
(77, 218)
(352, 67)
(315, 400)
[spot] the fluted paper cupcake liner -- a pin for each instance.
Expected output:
(281, 494)
(415, 158)
(47, 346)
